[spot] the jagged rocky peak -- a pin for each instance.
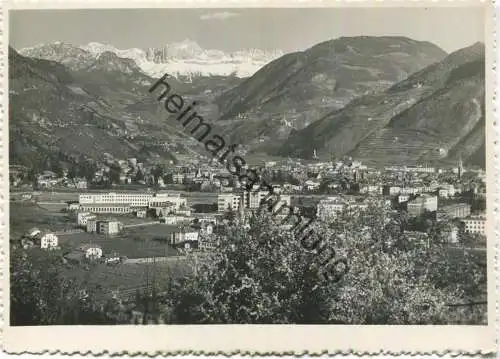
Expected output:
(185, 58)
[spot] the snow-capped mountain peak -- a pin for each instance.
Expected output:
(188, 58)
(185, 58)
(97, 48)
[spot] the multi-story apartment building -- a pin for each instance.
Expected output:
(172, 219)
(81, 183)
(178, 178)
(251, 200)
(391, 190)
(161, 200)
(123, 202)
(104, 226)
(117, 208)
(371, 189)
(421, 169)
(411, 190)
(109, 227)
(92, 225)
(91, 251)
(329, 208)
(206, 219)
(48, 241)
(228, 201)
(417, 169)
(403, 198)
(83, 217)
(475, 225)
(185, 238)
(139, 199)
(421, 204)
(457, 210)
(447, 190)
(278, 204)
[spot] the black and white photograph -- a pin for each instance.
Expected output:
(172, 166)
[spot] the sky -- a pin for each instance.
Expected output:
(237, 29)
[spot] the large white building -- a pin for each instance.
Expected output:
(475, 225)
(253, 199)
(131, 198)
(447, 190)
(134, 199)
(118, 208)
(172, 219)
(92, 225)
(184, 237)
(421, 204)
(48, 241)
(161, 200)
(91, 251)
(228, 202)
(250, 199)
(331, 207)
(120, 203)
(371, 189)
(83, 217)
(281, 200)
(108, 227)
(416, 169)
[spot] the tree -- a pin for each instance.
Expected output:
(57, 168)
(85, 168)
(114, 173)
(158, 172)
(72, 172)
(230, 215)
(139, 176)
(42, 295)
(249, 282)
(264, 274)
(168, 178)
(294, 181)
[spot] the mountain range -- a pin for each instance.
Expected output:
(299, 88)
(436, 114)
(379, 99)
(183, 59)
(59, 112)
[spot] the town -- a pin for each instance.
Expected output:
(151, 213)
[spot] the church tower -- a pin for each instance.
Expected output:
(460, 168)
(241, 211)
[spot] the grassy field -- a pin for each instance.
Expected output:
(124, 277)
(62, 197)
(149, 232)
(129, 277)
(136, 242)
(25, 215)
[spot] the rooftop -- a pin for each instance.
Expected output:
(84, 247)
(105, 204)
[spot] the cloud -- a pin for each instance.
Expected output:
(218, 15)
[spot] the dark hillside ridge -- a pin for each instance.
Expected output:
(299, 88)
(437, 114)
